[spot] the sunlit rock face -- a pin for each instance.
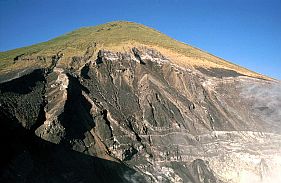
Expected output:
(160, 122)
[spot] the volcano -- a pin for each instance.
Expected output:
(122, 102)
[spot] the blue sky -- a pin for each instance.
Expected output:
(245, 32)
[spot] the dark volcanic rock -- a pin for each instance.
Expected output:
(219, 72)
(22, 98)
(134, 117)
(27, 158)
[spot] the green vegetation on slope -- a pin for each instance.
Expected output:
(113, 33)
(110, 33)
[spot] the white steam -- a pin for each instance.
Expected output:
(266, 99)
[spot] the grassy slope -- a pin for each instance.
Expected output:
(114, 34)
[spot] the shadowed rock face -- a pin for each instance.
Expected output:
(137, 117)
(31, 159)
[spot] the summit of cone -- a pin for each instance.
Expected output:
(116, 36)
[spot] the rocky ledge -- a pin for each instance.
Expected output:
(138, 117)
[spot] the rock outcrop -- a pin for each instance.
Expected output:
(136, 116)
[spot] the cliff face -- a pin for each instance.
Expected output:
(137, 116)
